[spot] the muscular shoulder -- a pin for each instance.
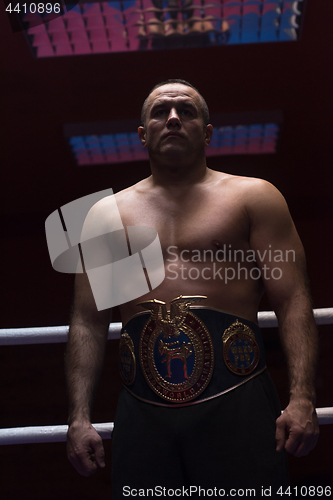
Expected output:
(267, 210)
(248, 185)
(263, 200)
(255, 194)
(260, 201)
(107, 209)
(132, 192)
(103, 217)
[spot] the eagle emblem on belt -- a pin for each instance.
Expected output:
(176, 350)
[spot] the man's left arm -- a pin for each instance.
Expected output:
(273, 230)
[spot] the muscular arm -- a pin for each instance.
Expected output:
(297, 428)
(85, 352)
(84, 355)
(272, 229)
(84, 362)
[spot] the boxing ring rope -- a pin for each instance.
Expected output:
(46, 433)
(58, 334)
(57, 433)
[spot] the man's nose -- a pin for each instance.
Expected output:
(173, 118)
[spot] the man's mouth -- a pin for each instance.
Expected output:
(173, 134)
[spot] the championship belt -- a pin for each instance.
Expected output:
(176, 350)
(187, 356)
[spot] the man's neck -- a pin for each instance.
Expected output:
(178, 174)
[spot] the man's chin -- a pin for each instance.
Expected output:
(174, 149)
(176, 152)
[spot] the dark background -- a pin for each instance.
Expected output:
(38, 176)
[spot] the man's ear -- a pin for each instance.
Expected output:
(208, 134)
(142, 136)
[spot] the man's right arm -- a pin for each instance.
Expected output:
(84, 361)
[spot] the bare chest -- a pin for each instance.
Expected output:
(195, 223)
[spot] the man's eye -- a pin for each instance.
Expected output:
(186, 112)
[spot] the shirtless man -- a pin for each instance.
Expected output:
(230, 440)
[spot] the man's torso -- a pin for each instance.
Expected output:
(204, 232)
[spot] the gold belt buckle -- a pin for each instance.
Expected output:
(176, 350)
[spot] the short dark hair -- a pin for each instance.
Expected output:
(205, 110)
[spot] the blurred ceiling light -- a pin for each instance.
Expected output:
(130, 25)
(117, 142)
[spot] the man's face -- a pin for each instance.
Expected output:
(174, 121)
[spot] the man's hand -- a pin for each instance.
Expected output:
(297, 429)
(85, 448)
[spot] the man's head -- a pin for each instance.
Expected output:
(176, 123)
(204, 107)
